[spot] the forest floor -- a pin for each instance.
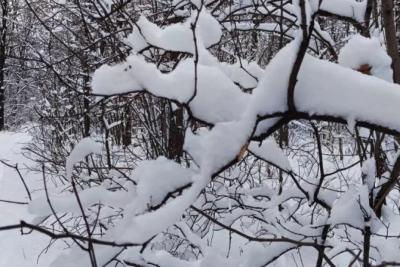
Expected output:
(17, 250)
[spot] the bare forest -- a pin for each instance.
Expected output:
(199, 133)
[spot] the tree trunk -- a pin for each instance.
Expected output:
(391, 40)
(3, 43)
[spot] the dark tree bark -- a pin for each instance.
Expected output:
(3, 44)
(390, 35)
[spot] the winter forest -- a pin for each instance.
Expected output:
(199, 133)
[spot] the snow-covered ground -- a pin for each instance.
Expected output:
(17, 250)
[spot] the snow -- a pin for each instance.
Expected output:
(326, 88)
(157, 178)
(66, 202)
(388, 249)
(323, 88)
(214, 95)
(166, 38)
(208, 32)
(217, 99)
(246, 74)
(16, 249)
(212, 149)
(270, 95)
(79, 258)
(136, 75)
(140, 228)
(345, 8)
(221, 144)
(83, 148)
(369, 173)
(269, 151)
(258, 255)
(352, 208)
(360, 50)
